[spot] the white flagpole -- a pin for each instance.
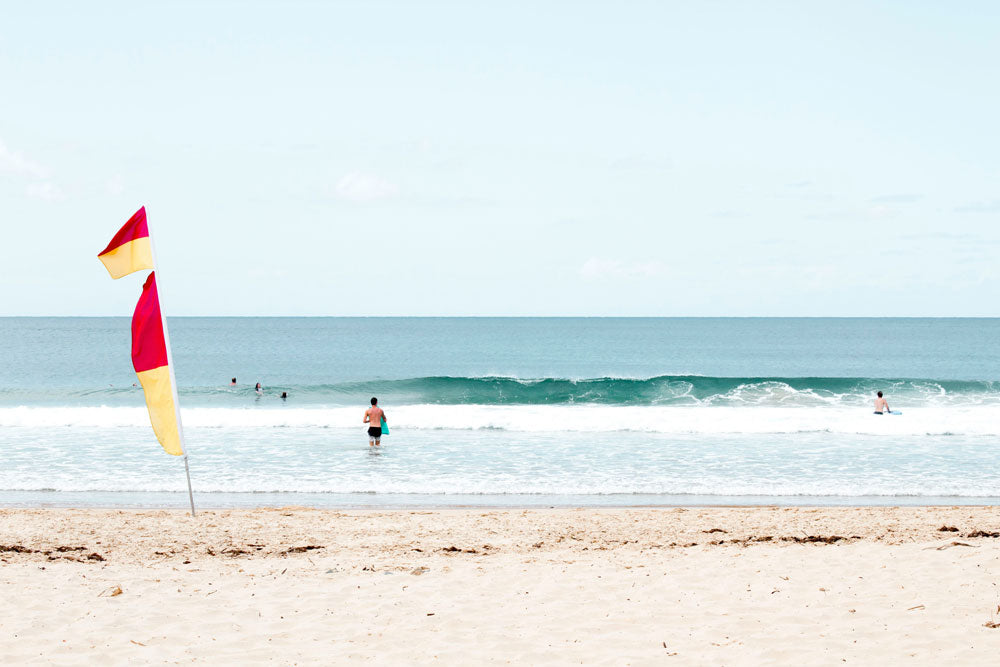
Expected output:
(170, 366)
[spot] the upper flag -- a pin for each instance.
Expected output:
(149, 358)
(129, 250)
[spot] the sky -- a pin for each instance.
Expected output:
(504, 158)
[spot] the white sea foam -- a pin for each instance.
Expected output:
(546, 419)
(555, 486)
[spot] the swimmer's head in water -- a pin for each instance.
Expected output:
(374, 400)
(879, 394)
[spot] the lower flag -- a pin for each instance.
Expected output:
(149, 358)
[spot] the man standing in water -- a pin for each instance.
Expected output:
(374, 415)
(881, 405)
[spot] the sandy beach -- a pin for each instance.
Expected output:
(616, 586)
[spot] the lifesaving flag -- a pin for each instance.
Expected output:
(149, 358)
(132, 250)
(129, 250)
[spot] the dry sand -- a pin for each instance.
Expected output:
(618, 586)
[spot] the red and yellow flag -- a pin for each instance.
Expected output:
(149, 358)
(129, 250)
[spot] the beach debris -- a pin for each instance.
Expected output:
(714, 530)
(18, 549)
(814, 539)
(950, 545)
(417, 571)
(919, 606)
(302, 550)
(947, 529)
(991, 624)
(982, 533)
(537, 545)
(111, 592)
(136, 643)
(232, 552)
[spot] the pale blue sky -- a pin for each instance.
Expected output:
(420, 158)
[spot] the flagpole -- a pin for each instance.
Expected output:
(170, 367)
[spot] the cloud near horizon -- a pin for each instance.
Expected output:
(46, 191)
(362, 187)
(15, 162)
(597, 268)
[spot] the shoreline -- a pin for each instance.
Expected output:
(249, 501)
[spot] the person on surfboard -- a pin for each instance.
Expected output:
(374, 415)
(881, 405)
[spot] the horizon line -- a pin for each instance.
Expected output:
(594, 317)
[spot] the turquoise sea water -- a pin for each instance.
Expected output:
(502, 411)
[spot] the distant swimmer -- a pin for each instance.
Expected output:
(284, 395)
(258, 389)
(881, 405)
(233, 383)
(374, 415)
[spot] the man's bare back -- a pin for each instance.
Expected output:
(374, 415)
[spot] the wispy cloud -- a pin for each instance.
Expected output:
(362, 187)
(597, 268)
(115, 185)
(46, 191)
(641, 162)
(895, 199)
(798, 184)
(979, 207)
(728, 214)
(951, 237)
(18, 164)
(15, 162)
(882, 211)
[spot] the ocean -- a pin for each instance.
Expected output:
(509, 412)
